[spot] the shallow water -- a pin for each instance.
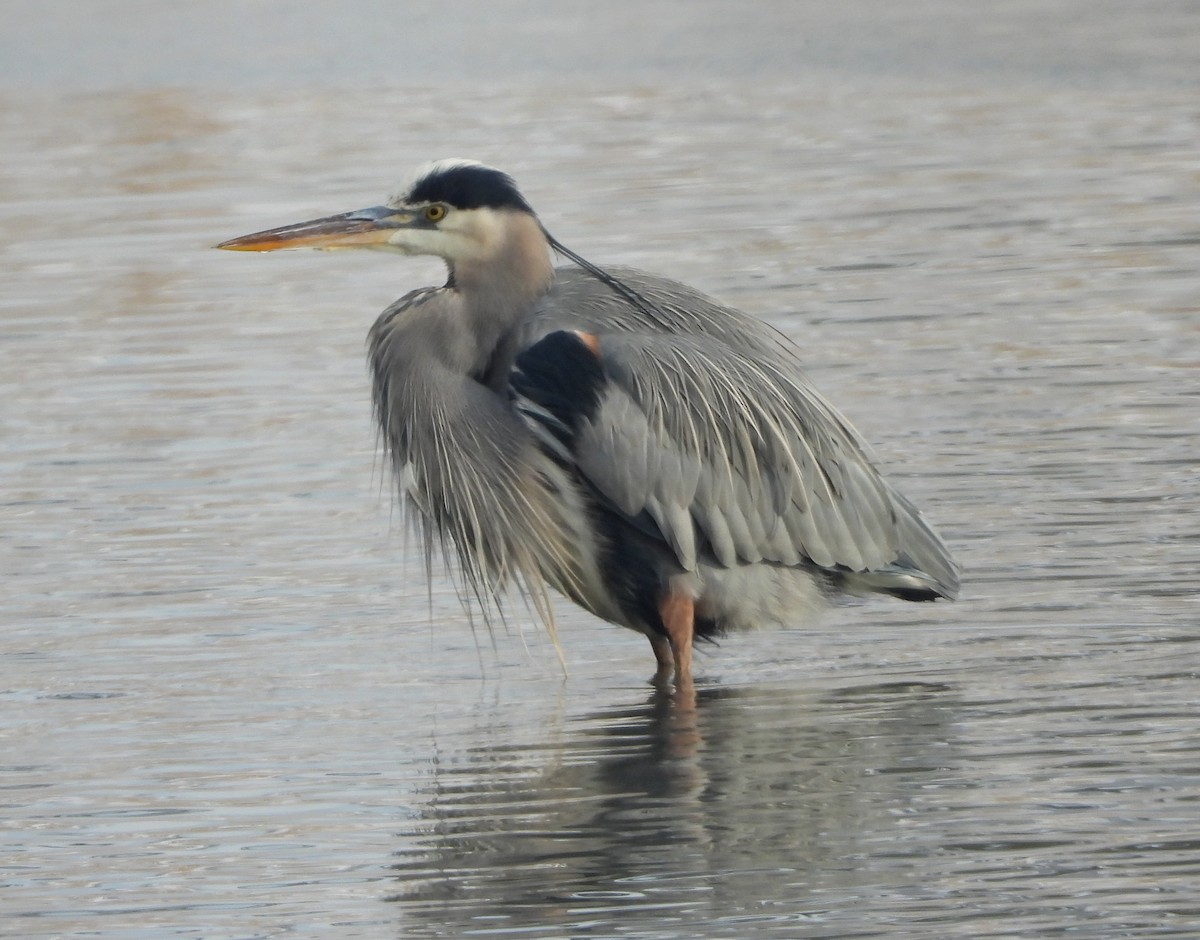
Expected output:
(230, 707)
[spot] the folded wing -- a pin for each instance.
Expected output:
(733, 455)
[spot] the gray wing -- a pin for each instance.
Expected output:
(578, 301)
(704, 421)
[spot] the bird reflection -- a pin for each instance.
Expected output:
(742, 800)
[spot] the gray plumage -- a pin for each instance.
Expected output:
(615, 435)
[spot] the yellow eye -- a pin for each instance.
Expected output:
(435, 213)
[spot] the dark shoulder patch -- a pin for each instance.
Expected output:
(469, 186)
(562, 375)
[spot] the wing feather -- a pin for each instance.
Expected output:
(738, 457)
(708, 426)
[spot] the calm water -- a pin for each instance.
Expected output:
(229, 707)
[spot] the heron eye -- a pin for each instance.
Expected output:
(435, 213)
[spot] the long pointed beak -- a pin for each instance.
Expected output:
(366, 228)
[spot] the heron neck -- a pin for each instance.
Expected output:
(499, 291)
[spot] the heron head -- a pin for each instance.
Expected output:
(459, 210)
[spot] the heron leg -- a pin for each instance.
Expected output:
(664, 657)
(678, 613)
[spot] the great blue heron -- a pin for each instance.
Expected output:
(652, 454)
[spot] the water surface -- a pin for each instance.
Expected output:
(229, 706)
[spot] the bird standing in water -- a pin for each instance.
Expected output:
(652, 454)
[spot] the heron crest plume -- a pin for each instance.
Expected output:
(463, 184)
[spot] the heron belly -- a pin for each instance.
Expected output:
(749, 597)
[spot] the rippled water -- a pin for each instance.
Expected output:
(230, 708)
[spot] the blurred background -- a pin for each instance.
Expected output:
(230, 705)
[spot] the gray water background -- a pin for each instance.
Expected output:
(230, 706)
